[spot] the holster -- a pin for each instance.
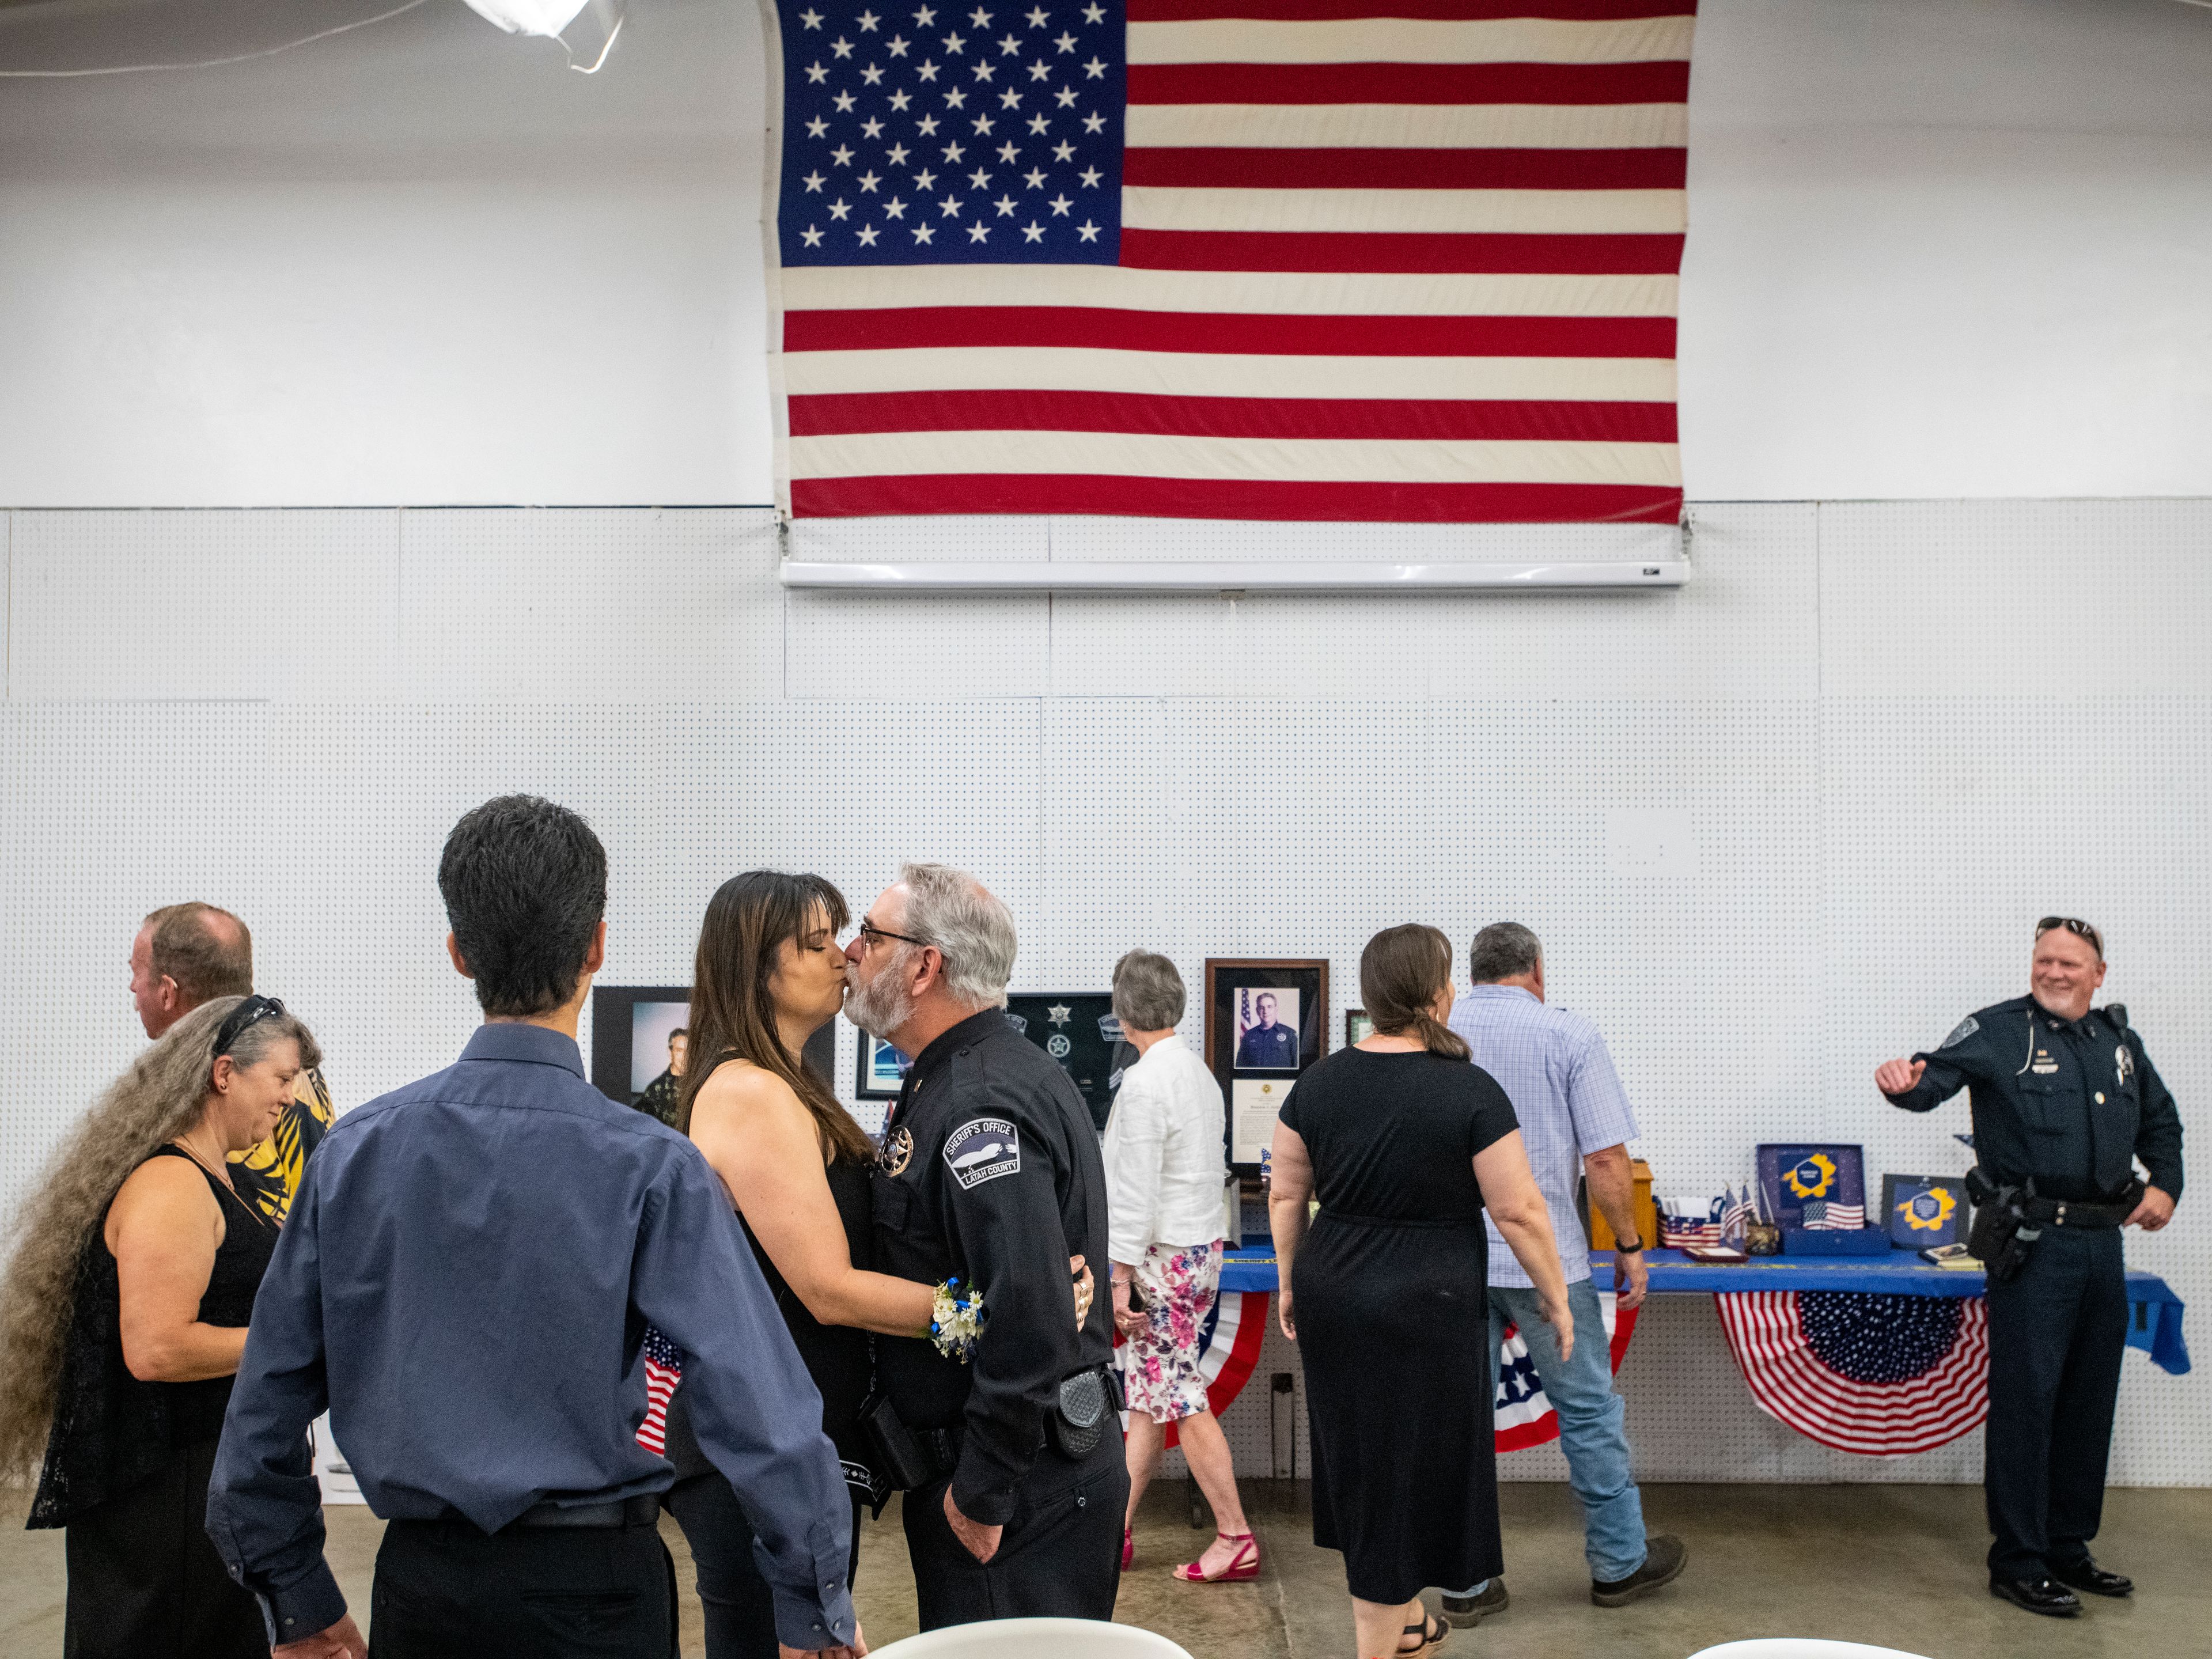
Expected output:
(2001, 1234)
(900, 1455)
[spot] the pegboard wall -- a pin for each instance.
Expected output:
(1878, 739)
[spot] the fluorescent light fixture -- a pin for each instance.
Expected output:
(1233, 576)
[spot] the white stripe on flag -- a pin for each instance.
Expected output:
(1287, 293)
(1413, 40)
(1407, 212)
(1293, 460)
(1227, 374)
(1408, 126)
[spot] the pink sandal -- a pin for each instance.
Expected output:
(1245, 1564)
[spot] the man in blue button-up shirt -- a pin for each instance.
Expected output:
(464, 1282)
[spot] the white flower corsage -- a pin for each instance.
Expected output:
(956, 1321)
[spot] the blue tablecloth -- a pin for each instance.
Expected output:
(2154, 1310)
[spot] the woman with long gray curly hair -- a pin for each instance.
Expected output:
(123, 1314)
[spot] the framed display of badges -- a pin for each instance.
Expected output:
(633, 1040)
(1078, 1029)
(1921, 1212)
(1267, 1020)
(878, 1069)
(1817, 1185)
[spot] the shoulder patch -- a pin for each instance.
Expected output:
(982, 1151)
(1965, 1028)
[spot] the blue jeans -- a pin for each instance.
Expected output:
(1593, 1430)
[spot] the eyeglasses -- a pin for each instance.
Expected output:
(250, 1012)
(2075, 926)
(869, 932)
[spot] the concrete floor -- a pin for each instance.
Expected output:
(1897, 1566)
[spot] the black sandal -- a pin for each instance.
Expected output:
(1428, 1643)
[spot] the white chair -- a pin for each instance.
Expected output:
(1035, 1638)
(1799, 1647)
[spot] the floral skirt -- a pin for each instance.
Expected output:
(1161, 1369)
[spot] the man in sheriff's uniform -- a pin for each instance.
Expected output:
(1267, 1045)
(990, 1174)
(2065, 1100)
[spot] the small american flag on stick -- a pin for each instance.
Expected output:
(664, 1370)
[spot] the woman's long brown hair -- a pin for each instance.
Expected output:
(1401, 973)
(732, 1013)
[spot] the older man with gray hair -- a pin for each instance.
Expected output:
(988, 1180)
(1555, 1069)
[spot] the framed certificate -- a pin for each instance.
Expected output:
(1267, 1020)
(1923, 1211)
(1357, 1028)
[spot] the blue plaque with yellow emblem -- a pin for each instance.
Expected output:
(1922, 1211)
(1814, 1184)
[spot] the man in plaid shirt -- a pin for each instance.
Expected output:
(1575, 1119)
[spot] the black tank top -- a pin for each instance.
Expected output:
(111, 1431)
(839, 1357)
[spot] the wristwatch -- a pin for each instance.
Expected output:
(1630, 1246)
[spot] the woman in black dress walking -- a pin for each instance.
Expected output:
(1404, 1143)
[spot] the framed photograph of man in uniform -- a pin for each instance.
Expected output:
(1267, 1020)
(631, 1025)
(1078, 1030)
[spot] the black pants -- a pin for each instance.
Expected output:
(446, 1590)
(2056, 1332)
(740, 1608)
(1059, 1557)
(144, 1581)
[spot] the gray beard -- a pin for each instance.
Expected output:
(883, 1005)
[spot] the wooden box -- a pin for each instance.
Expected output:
(1647, 1213)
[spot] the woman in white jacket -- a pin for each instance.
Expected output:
(1165, 1175)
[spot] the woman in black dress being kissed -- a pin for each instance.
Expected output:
(769, 974)
(1406, 1143)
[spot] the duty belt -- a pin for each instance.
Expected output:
(2082, 1216)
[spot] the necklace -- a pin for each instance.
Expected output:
(222, 1175)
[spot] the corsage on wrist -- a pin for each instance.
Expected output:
(955, 1322)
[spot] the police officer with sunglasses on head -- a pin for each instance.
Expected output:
(2065, 1101)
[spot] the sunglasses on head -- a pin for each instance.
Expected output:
(250, 1012)
(2077, 927)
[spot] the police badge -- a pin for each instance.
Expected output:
(2125, 1063)
(898, 1152)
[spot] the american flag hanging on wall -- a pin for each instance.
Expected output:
(1289, 259)
(1871, 1373)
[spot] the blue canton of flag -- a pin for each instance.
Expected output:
(926, 135)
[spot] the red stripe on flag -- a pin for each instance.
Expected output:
(1225, 498)
(867, 329)
(1665, 80)
(1335, 251)
(1468, 11)
(1409, 169)
(1409, 418)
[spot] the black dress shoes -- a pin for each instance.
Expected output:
(2086, 1574)
(2044, 1595)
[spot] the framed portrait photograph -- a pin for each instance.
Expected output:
(1078, 1031)
(1267, 1020)
(1357, 1028)
(1923, 1212)
(878, 1069)
(632, 1036)
(1816, 1184)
